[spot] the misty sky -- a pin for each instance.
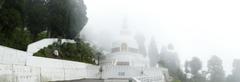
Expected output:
(199, 28)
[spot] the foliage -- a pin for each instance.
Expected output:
(170, 60)
(12, 33)
(36, 16)
(235, 76)
(19, 39)
(9, 20)
(236, 70)
(26, 21)
(215, 69)
(186, 67)
(79, 51)
(141, 43)
(195, 65)
(66, 18)
(40, 36)
(153, 53)
(230, 78)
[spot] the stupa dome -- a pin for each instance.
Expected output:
(125, 51)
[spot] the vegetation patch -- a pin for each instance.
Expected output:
(79, 51)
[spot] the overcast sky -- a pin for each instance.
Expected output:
(199, 28)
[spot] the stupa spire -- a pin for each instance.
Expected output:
(125, 22)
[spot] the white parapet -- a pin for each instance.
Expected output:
(20, 66)
(36, 46)
(13, 56)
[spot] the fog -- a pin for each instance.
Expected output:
(199, 28)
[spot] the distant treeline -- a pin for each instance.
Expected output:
(194, 72)
(193, 69)
(26, 21)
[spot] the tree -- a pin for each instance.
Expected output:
(36, 14)
(153, 53)
(163, 56)
(18, 39)
(9, 20)
(1, 2)
(141, 43)
(235, 77)
(215, 69)
(230, 78)
(35, 19)
(195, 65)
(66, 18)
(170, 60)
(58, 17)
(78, 18)
(186, 66)
(11, 15)
(12, 32)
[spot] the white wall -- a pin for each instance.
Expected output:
(20, 66)
(36, 46)
(54, 69)
(13, 56)
(19, 73)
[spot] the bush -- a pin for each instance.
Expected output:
(79, 51)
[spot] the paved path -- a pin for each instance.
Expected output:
(89, 80)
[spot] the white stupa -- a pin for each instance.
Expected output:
(126, 62)
(125, 51)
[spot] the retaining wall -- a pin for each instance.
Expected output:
(20, 66)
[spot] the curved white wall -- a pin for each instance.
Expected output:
(36, 46)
